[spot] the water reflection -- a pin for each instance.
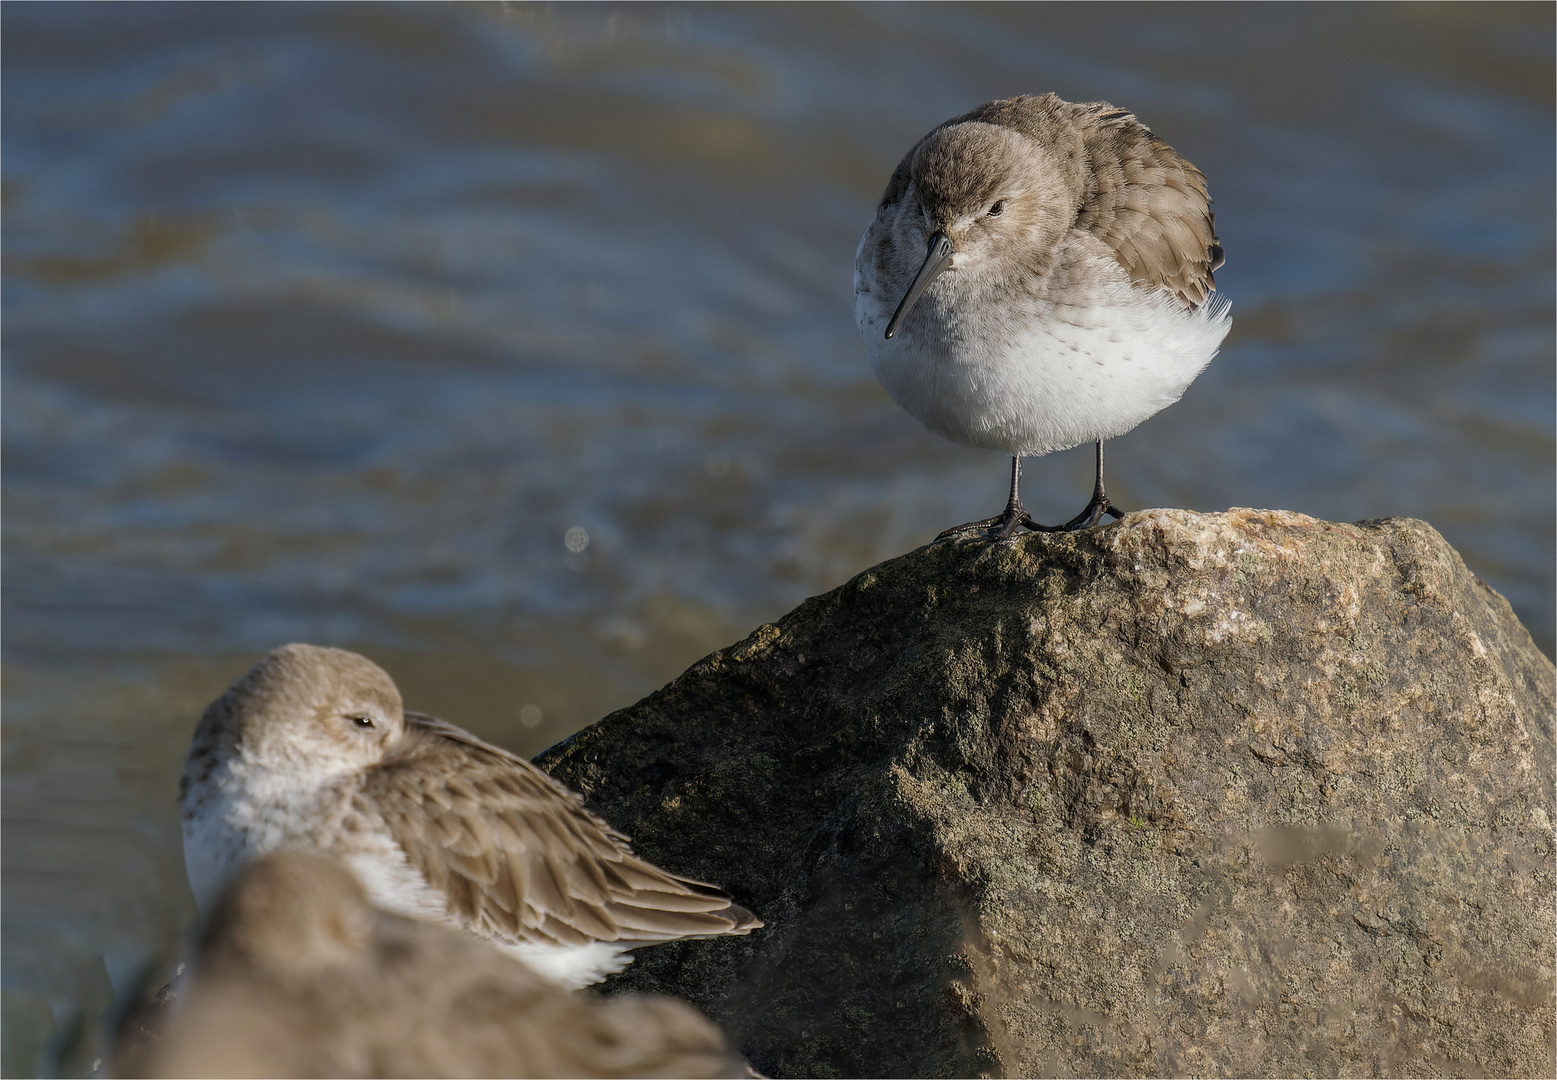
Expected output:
(334, 323)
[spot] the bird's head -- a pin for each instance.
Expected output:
(308, 710)
(981, 199)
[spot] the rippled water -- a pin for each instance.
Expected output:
(334, 323)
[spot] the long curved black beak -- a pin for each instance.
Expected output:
(940, 250)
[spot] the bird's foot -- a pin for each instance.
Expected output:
(1002, 526)
(1089, 516)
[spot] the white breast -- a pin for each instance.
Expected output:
(238, 813)
(212, 849)
(1047, 373)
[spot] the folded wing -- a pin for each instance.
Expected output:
(1136, 194)
(520, 859)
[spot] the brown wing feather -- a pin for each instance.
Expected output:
(1133, 192)
(520, 859)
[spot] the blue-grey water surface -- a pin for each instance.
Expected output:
(513, 346)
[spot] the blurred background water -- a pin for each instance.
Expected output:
(513, 346)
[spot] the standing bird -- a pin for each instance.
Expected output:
(1037, 277)
(311, 748)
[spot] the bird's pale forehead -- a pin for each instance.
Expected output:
(302, 679)
(965, 164)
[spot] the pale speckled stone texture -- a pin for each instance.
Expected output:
(1239, 794)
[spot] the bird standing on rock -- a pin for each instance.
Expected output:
(312, 748)
(1038, 276)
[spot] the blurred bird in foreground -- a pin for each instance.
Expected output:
(312, 748)
(299, 975)
(1038, 276)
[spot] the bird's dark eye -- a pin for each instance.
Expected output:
(362, 720)
(998, 209)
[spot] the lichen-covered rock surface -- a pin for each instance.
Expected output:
(1239, 794)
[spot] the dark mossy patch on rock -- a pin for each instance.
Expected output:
(1222, 794)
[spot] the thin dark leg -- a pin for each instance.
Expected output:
(1005, 524)
(1096, 507)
